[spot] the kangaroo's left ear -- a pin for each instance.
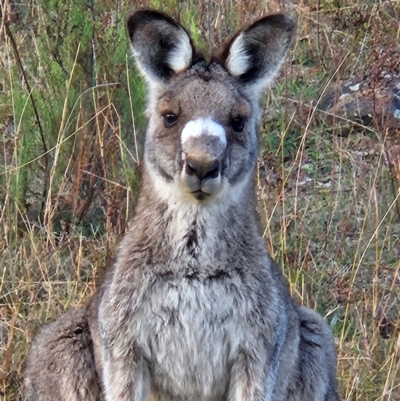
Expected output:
(161, 47)
(255, 54)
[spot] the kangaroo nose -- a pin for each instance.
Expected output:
(201, 167)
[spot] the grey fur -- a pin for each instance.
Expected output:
(60, 364)
(193, 308)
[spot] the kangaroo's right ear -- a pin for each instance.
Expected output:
(161, 47)
(256, 53)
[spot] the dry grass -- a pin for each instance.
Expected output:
(71, 130)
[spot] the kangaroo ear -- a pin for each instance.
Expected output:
(255, 54)
(161, 47)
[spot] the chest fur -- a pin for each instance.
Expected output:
(196, 297)
(190, 330)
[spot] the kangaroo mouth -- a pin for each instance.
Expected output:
(199, 189)
(200, 195)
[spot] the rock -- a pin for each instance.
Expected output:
(359, 103)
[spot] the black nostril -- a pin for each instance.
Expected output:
(190, 169)
(213, 172)
(203, 169)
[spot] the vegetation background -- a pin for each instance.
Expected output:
(71, 134)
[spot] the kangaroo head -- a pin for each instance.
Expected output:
(201, 140)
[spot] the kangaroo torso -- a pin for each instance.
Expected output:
(193, 297)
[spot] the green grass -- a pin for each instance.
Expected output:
(72, 126)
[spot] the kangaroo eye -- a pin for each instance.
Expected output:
(237, 124)
(170, 120)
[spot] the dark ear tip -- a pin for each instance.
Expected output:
(131, 23)
(287, 19)
(138, 18)
(289, 22)
(280, 21)
(145, 16)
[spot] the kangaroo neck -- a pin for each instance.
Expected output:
(179, 228)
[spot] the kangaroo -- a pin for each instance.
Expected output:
(193, 308)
